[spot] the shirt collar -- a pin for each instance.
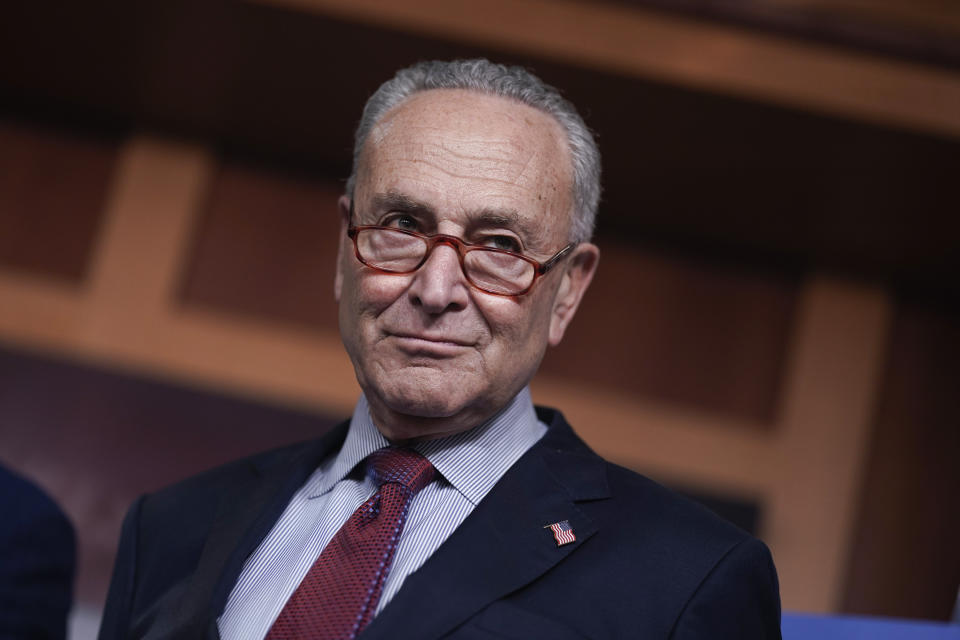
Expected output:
(472, 461)
(363, 438)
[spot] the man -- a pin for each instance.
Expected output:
(447, 507)
(37, 557)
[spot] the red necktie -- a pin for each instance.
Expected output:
(339, 595)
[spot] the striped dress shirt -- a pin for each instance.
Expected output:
(468, 465)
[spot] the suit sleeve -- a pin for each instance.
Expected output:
(116, 615)
(739, 599)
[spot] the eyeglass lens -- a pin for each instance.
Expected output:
(487, 269)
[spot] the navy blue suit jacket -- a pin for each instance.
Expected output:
(646, 563)
(37, 552)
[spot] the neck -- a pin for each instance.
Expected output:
(400, 428)
(404, 428)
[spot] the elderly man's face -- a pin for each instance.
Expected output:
(434, 355)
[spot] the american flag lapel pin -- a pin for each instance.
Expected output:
(562, 532)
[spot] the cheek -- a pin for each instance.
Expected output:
(370, 293)
(515, 325)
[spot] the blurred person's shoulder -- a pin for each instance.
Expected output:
(23, 503)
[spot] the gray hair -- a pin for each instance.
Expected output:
(510, 82)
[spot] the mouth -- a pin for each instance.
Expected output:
(438, 346)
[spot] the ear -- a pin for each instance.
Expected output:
(343, 205)
(577, 275)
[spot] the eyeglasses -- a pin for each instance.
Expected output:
(496, 271)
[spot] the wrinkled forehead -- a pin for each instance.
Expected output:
(473, 133)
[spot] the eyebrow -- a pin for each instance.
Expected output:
(509, 218)
(398, 201)
(487, 217)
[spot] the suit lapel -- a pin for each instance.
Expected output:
(244, 517)
(503, 544)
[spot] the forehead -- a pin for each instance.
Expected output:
(460, 149)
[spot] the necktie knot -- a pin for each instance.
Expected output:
(405, 467)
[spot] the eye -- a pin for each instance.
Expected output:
(507, 243)
(401, 221)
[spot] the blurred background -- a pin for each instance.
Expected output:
(773, 330)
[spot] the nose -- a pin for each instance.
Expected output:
(439, 285)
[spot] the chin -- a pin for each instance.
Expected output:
(436, 403)
(424, 393)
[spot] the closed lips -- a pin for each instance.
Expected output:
(436, 339)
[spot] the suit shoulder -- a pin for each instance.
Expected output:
(212, 483)
(634, 502)
(675, 557)
(635, 486)
(645, 503)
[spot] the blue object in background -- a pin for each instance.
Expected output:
(799, 626)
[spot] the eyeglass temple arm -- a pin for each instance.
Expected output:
(549, 264)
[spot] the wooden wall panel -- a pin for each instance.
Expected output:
(708, 136)
(904, 560)
(52, 189)
(266, 246)
(917, 30)
(718, 143)
(681, 331)
(831, 386)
